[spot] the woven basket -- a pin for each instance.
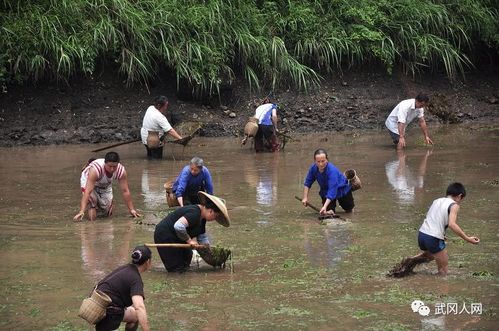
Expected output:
(93, 309)
(214, 256)
(171, 198)
(153, 139)
(251, 128)
(353, 179)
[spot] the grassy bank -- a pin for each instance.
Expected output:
(269, 43)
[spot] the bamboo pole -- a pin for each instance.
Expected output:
(174, 245)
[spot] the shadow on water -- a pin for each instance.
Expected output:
(289, 271)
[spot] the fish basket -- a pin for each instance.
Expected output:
(214, 256)
(251, 128)
(93, 309)
(153, 140)
(353, 179)
(171, 198)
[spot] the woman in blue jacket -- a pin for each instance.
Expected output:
(333, 185)
(193, 178)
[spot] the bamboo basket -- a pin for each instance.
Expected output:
(353, 179)
(171, 198)
(251, 128)
(93, 309)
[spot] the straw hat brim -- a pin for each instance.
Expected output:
(224, 220)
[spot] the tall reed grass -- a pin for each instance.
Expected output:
(268, 43)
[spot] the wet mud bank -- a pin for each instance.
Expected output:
(102, 110)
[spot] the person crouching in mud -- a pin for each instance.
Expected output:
(333, 185)
(125, 288)
(188, 225)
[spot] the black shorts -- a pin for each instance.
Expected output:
(346, 202)
(112, 321)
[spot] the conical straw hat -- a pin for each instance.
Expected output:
(220, 203)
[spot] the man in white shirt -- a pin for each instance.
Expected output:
(155, 126)
(403, 114)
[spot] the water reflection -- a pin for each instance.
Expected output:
(101, 249)
(153, 191)
(330, 249)
(406, 185)
(266, 185)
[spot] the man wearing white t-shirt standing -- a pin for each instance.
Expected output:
(403, 114)
(155, 126)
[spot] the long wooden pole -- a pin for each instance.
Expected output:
(182, 141)
(318, 210)
(118, 144)
(309, 205)
(177, 246)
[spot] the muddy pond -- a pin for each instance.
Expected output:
(288, 271)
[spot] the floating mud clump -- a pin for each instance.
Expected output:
(407, 266)
(214, 255)
(493, 182)
(439, 106)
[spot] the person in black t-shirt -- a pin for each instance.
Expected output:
(125, 288)
(188, 225)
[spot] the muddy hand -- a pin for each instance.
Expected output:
(78, 217)
(135, 213)
(474, 240)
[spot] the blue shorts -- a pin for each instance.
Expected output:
(430, 244)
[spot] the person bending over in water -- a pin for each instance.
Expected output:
(333, 185)
(97, 190)
(442, 214)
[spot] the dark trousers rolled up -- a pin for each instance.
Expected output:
(154, 153)
(266, 139)
(346, 202)
(174, 259)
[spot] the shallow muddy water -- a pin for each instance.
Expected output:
(289, 272)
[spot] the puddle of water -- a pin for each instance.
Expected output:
(289, 271)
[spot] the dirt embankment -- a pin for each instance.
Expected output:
(103, 110)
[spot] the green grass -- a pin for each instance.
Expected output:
(284, 43)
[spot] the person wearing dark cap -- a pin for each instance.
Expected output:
(188, 225)
(155, 126)
(125, 288)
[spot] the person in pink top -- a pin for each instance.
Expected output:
(96, 185)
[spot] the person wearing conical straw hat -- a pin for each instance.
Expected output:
(188, 225)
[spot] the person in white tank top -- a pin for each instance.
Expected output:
(442, 214)
(96, 185)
